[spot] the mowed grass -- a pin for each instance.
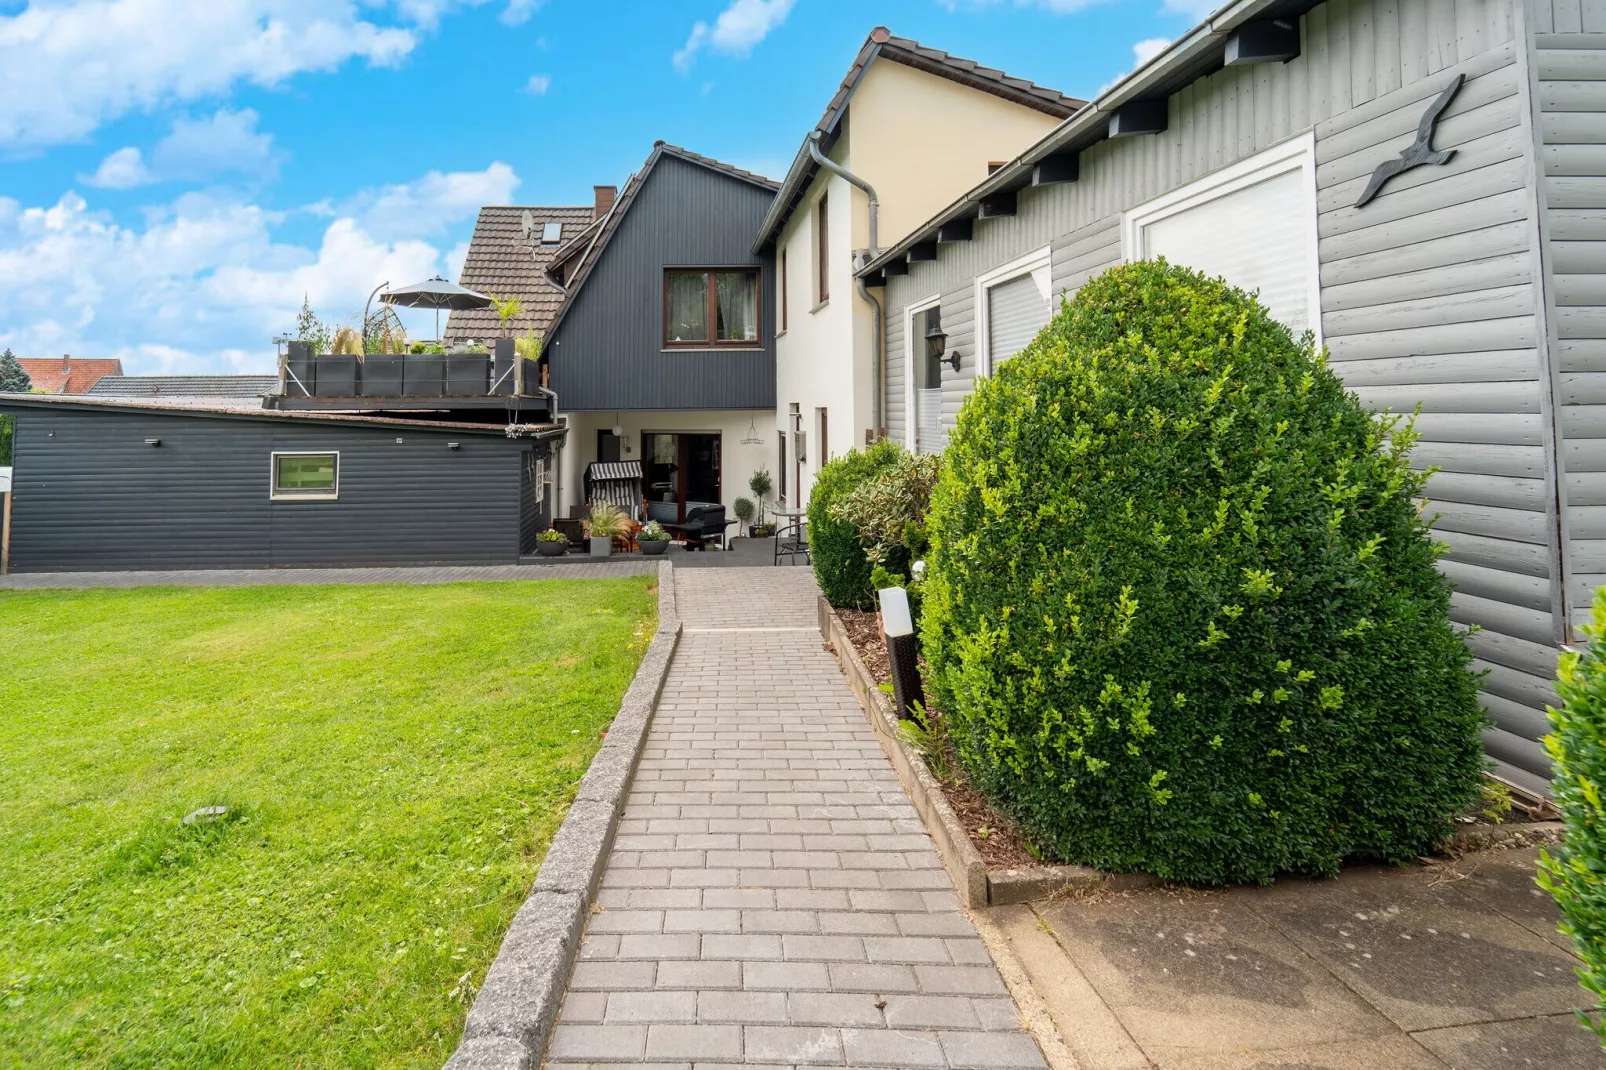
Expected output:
(395, 760)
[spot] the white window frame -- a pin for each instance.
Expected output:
(1038, 260)
(1295, 154)
(911, 344)
(320, 496)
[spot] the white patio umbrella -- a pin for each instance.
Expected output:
(436, 293)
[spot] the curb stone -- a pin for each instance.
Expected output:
(511, 1019)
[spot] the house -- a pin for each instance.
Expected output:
(909, 129)
(126, 483)
(508, 254)
(247, 391)
(663, 350)
(1266, 146)
(67, 375)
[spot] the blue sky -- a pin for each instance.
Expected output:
(176, 174)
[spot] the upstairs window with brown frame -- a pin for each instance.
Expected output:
(711, 307)
(822, 250)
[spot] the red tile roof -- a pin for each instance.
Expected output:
(68, 375)
(507, 257)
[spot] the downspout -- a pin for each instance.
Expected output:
(877, 365)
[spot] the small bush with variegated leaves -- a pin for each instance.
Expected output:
(1576, 872)
(838, 553)
(1181, 611)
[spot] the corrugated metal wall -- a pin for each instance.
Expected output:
(608, 351)
(90, 494)
(1429, 294)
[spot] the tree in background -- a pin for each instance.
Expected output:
(312, 330)
(13, 380)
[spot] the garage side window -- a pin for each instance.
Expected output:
(306, 476)
(1253, 224)
(1014, 303)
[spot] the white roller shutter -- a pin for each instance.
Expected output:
(1016, 311)
(1257, 237)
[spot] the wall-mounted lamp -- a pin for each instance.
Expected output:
(153, 442)
(937, 343)
(454, 445)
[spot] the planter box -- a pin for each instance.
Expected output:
(502, 368)
(601, 546)
(298, 368)
(551, 549)
(382, 375)
(424, 376)
(337, 376)
(653, 547)
(468, 375)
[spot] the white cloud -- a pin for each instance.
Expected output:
(65, 68)
(736, 31)
(538, 84)
(1193, 9)
(204, 283)
(518, 12)
(195, 150)
(1142, 52)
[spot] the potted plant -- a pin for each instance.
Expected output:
(760, 485)
(551, 543)
(652, 538)
(602, 525)
(744, 512)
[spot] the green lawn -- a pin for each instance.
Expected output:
(394, 759)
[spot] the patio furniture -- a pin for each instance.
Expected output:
(704, 524)
(574, 528)
(616, 482)
(791, 535)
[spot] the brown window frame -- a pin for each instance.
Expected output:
(822, 249)
(712, 315)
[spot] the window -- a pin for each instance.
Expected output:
(783, 289)
(1253, 224)
(822, 250)
(711, 308)
(306, 476)
(923, 387)
(1015, 304)
(551, 233)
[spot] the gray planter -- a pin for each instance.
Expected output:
(601, 546)
(468, 375)
(502, 367)
(298, 366)
(552, 549)
(382, 375)
(425, 371)
(337, 375)
(653, 547)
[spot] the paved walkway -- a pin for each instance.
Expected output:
(772, 897)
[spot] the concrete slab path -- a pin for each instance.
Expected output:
(772, 897)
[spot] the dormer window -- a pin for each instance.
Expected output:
(551, 233)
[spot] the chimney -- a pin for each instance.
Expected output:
(604, 200)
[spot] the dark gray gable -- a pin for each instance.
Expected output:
(607, 350)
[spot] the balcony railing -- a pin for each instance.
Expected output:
(305, 374)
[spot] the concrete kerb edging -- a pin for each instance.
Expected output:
(511, 1019)
(976, 884)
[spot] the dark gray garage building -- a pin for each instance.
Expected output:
(111, 484)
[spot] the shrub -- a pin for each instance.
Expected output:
(1181, 611)
(840, 565)
(652, 531)
(743, 507)
(888, 510)
(1576, 873)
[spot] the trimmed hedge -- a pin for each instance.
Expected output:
(1181, 613)
(1576, 873)
(840, 565)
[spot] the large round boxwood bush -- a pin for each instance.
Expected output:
(1182, 614)
(841, 566)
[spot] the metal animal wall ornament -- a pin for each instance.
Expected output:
(1421, 150)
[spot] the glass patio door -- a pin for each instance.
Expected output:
(682, 471)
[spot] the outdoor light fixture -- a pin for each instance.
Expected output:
(153, 442)
(937, 343)
(454, 445)
(897, 627)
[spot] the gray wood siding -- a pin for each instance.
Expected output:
(90, 494)
(1567, 16)
(608, 351)
(1569, 93)
(897, 378)
(1428, 295)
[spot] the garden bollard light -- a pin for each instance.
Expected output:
(903, 653)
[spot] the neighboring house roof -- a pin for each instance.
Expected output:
(1190, 57)
(506, 257)
(221, 407)
(883, 44)
(68, 375)
(236, 387)
(572, 262)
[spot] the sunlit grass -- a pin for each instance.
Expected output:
(394, 761)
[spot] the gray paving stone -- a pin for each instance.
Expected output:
(931, 1012)
(669, 1041)
(834, 1008)
(795, 1045)
(899, 1048)
(863, 977)
(993, 1051)
(585, 1043)
(744, 1008)
(651, 1007)
(700, 975)
(786, 976)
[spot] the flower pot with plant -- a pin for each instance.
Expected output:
(743, 507)
(551, 543)
(652, 538)
(760, 485)
(602, 525)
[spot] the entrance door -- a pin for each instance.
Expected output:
(682, 471)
